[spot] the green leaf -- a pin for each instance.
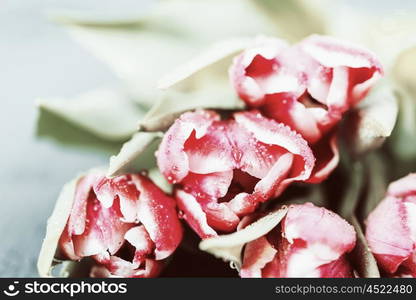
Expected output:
(157, 177)
(373, 120)
(404, 135)
(96, 19)
(210, 65)
(296, 18)
(174, 103)
(47, 260)
(172, 33)
(104, 113)
(362, 258)
(377, 169)
(135, 155)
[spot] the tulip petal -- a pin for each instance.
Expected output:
(388, 233)
(285, 108)
(156, 211)
(171, 159)
(194, 215)
(104, 230)
(327, 157)
(256, 255)
(328, 228)
(272, 133)
(404, 187)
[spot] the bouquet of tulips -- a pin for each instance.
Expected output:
(261, 139)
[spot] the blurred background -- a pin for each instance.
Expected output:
(39, 59)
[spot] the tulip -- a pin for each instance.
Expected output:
(309, 242)
(127, 225)
(307, 86)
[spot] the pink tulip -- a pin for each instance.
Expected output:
(126, 224)
(307, 86)
(309, 242)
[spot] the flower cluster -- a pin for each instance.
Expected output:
(229, 168)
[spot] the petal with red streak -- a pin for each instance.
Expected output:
(157, 212)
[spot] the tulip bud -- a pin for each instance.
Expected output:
(127, 225)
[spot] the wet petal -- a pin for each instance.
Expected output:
(141, 241)
(171, 157)
(157, 213)
(388, 233)
(194, 215)
(327, 158)
(405, 186)
(211, 152)
(108, 189)
(318, 225)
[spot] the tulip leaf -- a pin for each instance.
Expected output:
(53, 127)
(362, 259)
(351, 196)
(212, 62)
(388, 34)
(107, 19)
(55, 227)
(373, 120)
(172, 33)
(229, 247)
(404, 71)
(76, 269)
(404, 135)
(202, 82)
(105, 113)
(135, 155)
